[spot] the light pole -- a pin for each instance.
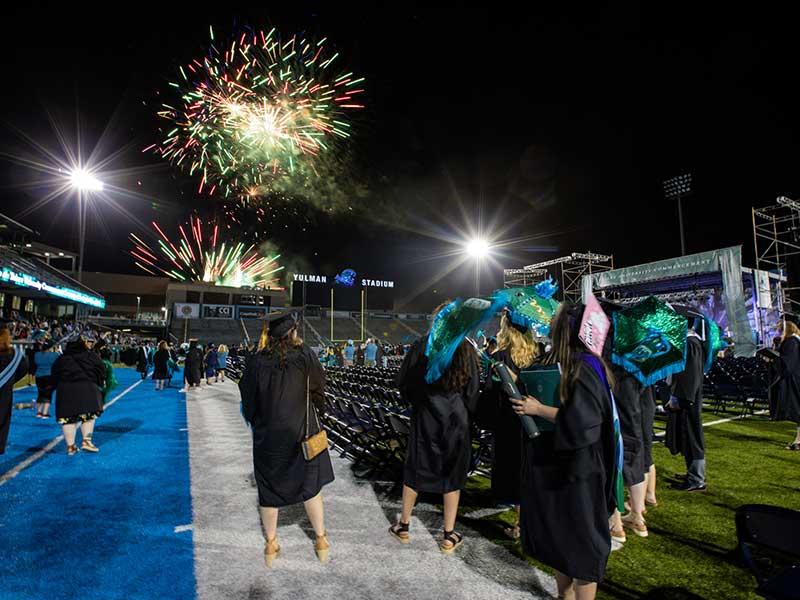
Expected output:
(83, 181)
(479, 249)
(676, 188)
(138, 306)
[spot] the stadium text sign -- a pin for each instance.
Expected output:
(308, 278)
(29, 281)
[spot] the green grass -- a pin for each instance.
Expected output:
(691, 548)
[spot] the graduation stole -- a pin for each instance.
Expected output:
(619, 484)
(11, 367)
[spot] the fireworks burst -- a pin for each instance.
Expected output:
(198, 256)
(257, 113)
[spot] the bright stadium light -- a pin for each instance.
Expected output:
(478, 248)
(85, 181)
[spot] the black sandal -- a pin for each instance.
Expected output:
(454, 538)
(400, 531)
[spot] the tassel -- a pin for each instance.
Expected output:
(262, 341)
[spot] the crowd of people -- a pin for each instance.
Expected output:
(370, 353)
(565, 484)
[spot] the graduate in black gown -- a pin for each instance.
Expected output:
(568, 474)
(516, 348)
(276, 387)
(15, 366)
(631, 396)
(685, 422)
(787, 387)
(193, 366)
(438, 456)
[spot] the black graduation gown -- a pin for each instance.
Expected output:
(685, 427)
(141, 360)
(507, 455)
(648, 417)
(78, 377)
(161, 364)
(567, 484)
(7, 396)
(439, 448)
(787, 401)
(193, 367)
(274, 403)
(628, 393)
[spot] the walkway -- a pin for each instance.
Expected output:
(366, 563)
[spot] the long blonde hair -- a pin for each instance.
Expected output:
(522, 346)
(222, 348)
(789, 329)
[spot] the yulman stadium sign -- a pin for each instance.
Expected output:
(346, 278)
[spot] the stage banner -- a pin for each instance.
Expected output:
(727, 261)
(186, 311)
(217, 311)
(762, 285)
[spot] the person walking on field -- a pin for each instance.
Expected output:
(282, 388)
(13, 368)
(161, 361)
(222, 361)
(439, 445)
(78, 376)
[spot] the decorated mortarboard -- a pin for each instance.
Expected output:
(450, 327)
(531, 307)
(649, 340)
(594, 326)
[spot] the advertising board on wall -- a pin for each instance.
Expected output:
(217, 311)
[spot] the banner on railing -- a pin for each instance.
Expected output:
(186, 311)
(251, 312)
(217, 311)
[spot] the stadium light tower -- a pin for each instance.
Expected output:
(479, 249)
(677, 188)
(84, 182)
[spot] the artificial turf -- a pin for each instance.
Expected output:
(691, 550)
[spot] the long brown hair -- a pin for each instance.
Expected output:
(567, 348)
(522, 346)
(281, 347)
(5, 341)
(458, 374)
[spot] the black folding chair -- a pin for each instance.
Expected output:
(769, 542)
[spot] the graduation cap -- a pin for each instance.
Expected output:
(280, 324)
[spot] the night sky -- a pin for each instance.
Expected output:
(556, 125)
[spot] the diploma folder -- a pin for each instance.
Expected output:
(542, 382)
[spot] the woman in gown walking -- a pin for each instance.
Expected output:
(278, 384)
(439, 451)
(568, 474)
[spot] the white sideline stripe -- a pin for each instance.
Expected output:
(182, 528)
(718, 421)
(17, 469)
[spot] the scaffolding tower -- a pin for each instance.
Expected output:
(567, 270)
(776, 238)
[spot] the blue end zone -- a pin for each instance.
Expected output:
(100, 526)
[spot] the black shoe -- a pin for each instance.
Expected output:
(686, 487)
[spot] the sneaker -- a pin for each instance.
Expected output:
(89, 446)
(72, 450)
(638, 527)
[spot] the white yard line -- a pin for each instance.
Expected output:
(19, 467)
(719, 421)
